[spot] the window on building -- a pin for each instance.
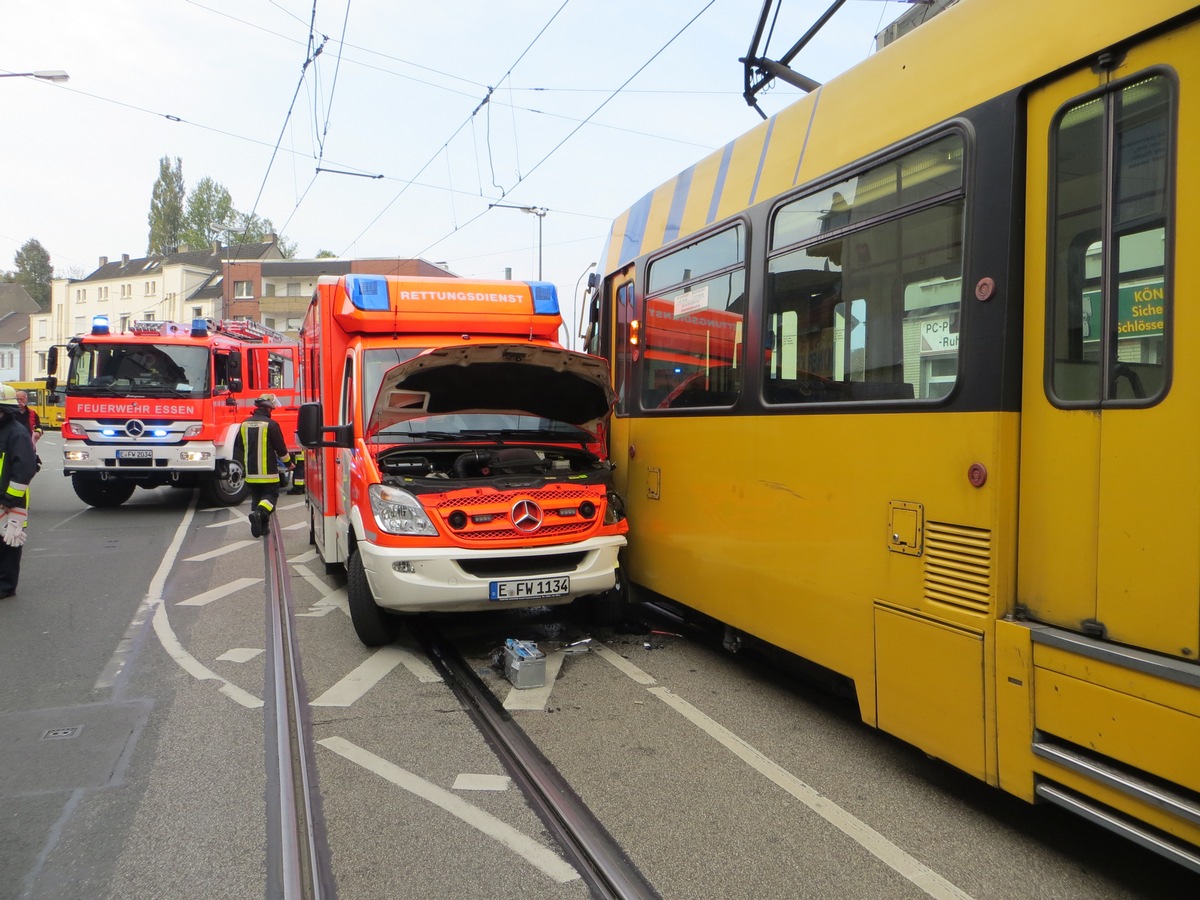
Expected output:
(243, 290)
(197, 312)
(80, 324)
(293, 289)
(43, 329)
(124, 322)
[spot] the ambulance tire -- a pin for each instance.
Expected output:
(373, 626)
(227, 488)
(100, 493)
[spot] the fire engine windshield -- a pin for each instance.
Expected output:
(170, 370)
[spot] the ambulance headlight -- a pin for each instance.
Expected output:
(398, 512)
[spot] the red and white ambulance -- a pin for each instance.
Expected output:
(161, 403)
(457, 451)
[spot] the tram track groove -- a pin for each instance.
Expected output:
(600, 860)
(298, 857)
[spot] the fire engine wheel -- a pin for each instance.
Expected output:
(227, 487)
(373, 626)
(99, 493)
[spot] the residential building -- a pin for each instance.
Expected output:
(16, 309)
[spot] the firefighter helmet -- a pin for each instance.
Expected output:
(270, 401)
(8, 398)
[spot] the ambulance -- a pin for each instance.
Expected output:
(456, 453)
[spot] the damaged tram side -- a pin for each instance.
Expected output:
(456, 451)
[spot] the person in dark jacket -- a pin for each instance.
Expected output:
(17, 468)
(262, 450)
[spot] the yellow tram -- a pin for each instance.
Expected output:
(905, 390)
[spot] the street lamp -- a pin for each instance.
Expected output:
(540, 212)
(58, 76)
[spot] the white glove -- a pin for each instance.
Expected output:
(12, 527)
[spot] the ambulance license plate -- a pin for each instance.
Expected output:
(529, 588)
(134, 454)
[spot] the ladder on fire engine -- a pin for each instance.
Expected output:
(248, 329)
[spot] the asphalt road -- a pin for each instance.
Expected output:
(132, 751)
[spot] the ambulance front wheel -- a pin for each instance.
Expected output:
(373, 626)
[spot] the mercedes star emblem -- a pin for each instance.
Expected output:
(135, 428)
(526, 516)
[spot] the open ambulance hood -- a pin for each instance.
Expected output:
(513, 379)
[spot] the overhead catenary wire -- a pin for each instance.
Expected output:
(575, 130)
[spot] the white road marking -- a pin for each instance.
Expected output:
(616, 659)
(239, 518)
(218, 592)
(295, 527)
(240, 654)
(466, 782)
(538, 697)
(193, 666)
(542, 858)
(875, 843)
(370, 672)
(295, 505)
(304, 557)
(153, 605)
(221, 551)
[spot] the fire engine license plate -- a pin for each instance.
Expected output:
(134, 454)
(529, 588)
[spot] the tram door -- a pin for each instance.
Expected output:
(1109, 524)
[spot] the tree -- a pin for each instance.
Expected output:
(166, 208)
(208, 203)
(326, 254)
(34, 271)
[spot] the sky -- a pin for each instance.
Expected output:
(590, 104)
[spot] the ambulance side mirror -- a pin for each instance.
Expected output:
(312, 432)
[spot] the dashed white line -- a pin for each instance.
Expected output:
(221, 551)
(542, 858)
(870, 839)
(218, 592)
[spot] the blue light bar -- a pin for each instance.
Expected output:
(199, 328)
(368, 291)
(545, 298)
(99, 324)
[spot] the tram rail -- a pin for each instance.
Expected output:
(297, 850)
(601, 861)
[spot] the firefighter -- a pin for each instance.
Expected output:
(261, 447)
(298, 475)
(17, 468)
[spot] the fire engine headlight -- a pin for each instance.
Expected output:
(398, 512)
(194, 455)
(75, 455)
(192, 430)
(71, 430)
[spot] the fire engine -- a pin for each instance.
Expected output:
(457, 456)
(161, 403)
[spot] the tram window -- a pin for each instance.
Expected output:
(898, 337)
(1108, 320)
(930, 171)
(692, 339)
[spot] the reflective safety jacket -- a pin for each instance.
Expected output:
(18, 463)
(261, 447)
